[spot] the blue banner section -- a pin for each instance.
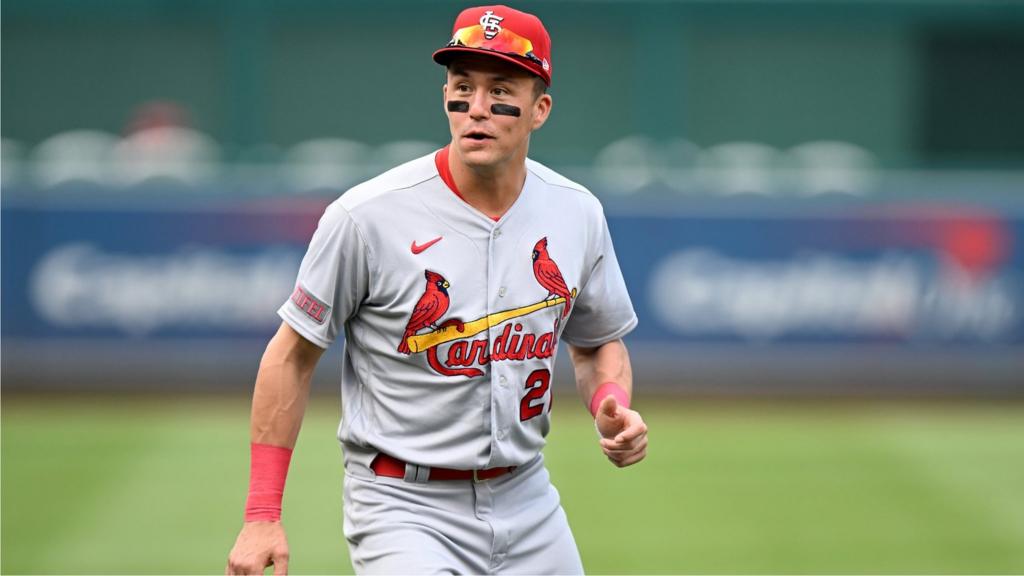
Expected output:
(191, 270)
(901, 275)
(853, 274)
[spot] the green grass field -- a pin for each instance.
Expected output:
(156, 485)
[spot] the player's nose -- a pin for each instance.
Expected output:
(479, 106)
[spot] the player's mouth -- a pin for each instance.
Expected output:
(478, 135)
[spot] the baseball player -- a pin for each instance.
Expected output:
(454, 278)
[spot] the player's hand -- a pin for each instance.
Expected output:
(623, 433)
(259, 545)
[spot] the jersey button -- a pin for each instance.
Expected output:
(501, 434)
(503, 381)
(501, 292)
(497, 233)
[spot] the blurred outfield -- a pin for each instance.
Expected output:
(105, 484)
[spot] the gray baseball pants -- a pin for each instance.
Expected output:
(513, 524)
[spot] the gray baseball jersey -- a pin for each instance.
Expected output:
(452, 319)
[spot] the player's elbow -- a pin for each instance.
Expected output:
(289, 347)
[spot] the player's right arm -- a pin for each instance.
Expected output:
(278, 405)
(332, 281)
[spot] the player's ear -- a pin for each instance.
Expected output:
(541, 110)
(444, 98)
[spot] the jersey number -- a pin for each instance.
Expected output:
(536, 387)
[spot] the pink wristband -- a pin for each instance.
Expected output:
(608, 389)
(267, 472)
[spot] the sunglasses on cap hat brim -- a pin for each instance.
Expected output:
(504, 42)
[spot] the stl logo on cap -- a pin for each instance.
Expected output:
(491, 24)
(504, 33)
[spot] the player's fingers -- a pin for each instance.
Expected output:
(611, 445)
(279, 558)
(248, 565)
(634, 430)
(620, 457)
(614, 444)
(633, 459)
(624, 452)
(629, 458)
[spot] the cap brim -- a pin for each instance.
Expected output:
(445, 55)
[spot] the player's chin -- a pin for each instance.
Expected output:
(476, 155)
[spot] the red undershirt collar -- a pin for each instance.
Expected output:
(441, 161)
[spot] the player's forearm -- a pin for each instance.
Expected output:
(278, 404)
(595, 366)
(282, 389)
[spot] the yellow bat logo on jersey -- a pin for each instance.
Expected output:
(470, 329)
(509, 345)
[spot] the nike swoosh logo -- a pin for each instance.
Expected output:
(416, 249)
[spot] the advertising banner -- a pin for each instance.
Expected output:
(160, 276)
(905, 275)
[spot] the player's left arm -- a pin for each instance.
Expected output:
(604, 380)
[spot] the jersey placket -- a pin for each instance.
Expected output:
(502, 403)
(502, 391)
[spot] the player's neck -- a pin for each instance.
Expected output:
(491, 190)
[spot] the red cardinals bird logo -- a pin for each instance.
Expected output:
(547, 273)
(431, 306)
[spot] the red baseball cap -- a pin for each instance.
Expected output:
(502, 32)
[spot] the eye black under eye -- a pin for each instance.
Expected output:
(505, 110)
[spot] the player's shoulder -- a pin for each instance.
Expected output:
(552, 178)
(381, 188)
(557, 182)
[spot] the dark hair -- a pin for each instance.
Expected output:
(539, 87)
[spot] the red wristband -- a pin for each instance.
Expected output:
(267, 472)
(608, 389)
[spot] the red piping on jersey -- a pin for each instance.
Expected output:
(441, 161)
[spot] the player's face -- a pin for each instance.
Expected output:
(480, 136)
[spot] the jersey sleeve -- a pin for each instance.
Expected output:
(603, 311)
(333, 279)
